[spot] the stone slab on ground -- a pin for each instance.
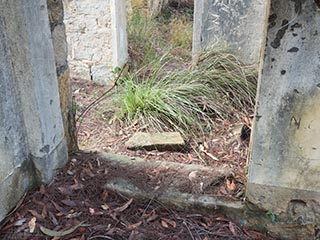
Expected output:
(167, 141)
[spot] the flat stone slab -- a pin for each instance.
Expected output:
(167, 141)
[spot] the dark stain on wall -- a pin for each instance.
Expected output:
(272, 20)
(298, 5)
(294, 26)
(294, 49)
(281, 32)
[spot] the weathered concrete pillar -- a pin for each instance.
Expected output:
(285, 159)
(96, 34)
(156, 6)
(119, 32)
(33, 143)
(240, 24)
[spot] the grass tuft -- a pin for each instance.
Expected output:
(187, 101)
(163, 94)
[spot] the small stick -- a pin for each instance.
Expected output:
(95, 102)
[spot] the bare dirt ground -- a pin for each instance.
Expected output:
(76, 206)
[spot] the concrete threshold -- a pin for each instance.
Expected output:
(175, 184)
(191, 188)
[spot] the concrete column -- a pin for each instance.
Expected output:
(15, 169)
(119, 32)
(285, 159)
(33, 143)
(239, 24)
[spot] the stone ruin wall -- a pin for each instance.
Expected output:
(36, 108)
(284, 166)
(94, 29)
(282, 38)
(60, 45)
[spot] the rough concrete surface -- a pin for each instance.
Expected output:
(284, 166)
(33, 143)
(13, 146)
(238, 24)
(119, 10)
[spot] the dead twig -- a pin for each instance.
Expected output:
(100, 236)
(184, 223)
(95, 102)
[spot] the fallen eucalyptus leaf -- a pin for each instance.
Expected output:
(52, 233)
(124, 207)
(32, 224)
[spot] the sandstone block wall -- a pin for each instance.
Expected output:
(92, 26)
(60, 45)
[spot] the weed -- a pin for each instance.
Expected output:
(138, 4)
(272, 216)
(163, 94)
(233, 81)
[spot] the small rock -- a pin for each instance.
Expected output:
(167, 141)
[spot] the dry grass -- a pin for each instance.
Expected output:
(181, 33)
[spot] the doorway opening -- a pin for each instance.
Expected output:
(208, 105)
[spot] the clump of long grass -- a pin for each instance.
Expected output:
(180, 33)
(187, 101)
(233, 81)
